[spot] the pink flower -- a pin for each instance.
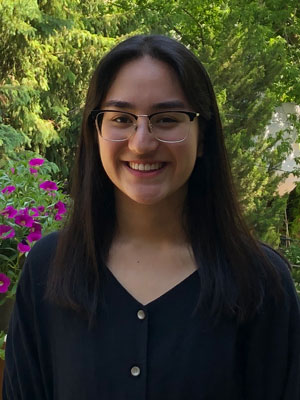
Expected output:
(24, 211)
(36, 227)
(8, 189)
(9, 212)
(41, 209)
(4, 283)
(34, 212)
(23, 219)
(6, 229)
(61, 207)
(36, 162)
(33, 171)
(48, 185)
(23, 246)
(12, 170)
(35, 232)
(34, 236)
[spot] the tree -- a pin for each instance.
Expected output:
(247, 50)
(293, 212)
(48, 59)
(251, 50)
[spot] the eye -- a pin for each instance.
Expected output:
(122, 119)
(166, 120)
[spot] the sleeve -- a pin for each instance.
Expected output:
(291, 390)
(292, 386)
(27, 373)
(272, 361)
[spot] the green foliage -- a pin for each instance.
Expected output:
(247, 50)
(37, 205)
(10, 140)
(251, 50)
(292, 253)
(296, 277)
(293, 212)
(2, 351)
(48, 57)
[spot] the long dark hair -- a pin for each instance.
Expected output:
(232, 267)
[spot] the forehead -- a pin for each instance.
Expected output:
(144, 83)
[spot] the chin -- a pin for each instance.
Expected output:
(151, 197)
(146, 201)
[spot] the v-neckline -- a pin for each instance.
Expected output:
(164, 295)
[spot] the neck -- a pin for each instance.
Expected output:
(160, 223)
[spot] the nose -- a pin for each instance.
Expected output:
(142, 140)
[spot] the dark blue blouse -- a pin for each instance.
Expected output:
(163, 350)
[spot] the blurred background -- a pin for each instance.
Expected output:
(251, 49)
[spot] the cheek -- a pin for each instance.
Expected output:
(109, 156)
(186, 158)
(105, 156)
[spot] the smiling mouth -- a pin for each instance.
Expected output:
(145, 167)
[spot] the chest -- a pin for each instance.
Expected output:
(147, 275)
(158, 351)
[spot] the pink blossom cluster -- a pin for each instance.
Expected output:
(27, 217)
(4, 283)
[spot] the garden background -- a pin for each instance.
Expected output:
(251, 49)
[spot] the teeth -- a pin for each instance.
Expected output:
(145, 167)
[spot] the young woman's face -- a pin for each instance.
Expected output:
(145, 86)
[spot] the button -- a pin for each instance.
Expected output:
(135, 371)
(141, 314)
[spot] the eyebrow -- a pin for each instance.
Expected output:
(162, 105)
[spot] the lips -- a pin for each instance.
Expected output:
(145, 166)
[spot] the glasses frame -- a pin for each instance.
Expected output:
(93, 117)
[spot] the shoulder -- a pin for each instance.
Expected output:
(283, 269)
(279, 263)
(39, 259)
(44, 249)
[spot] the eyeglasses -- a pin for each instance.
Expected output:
(166, 126)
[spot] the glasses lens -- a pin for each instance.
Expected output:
(171, 126)
(115, 125)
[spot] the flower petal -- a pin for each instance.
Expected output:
(4, 283)
(36, 162)
(8, 189)
(9, 212)
(36, 227)
(48, 185)
(24, 220)
(34, 236)
(61, 207)
(23, 247)
(10, 232)
(34, 212)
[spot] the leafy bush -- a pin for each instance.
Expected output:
(31, 205)
(292, 253)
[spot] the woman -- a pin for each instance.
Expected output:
(155, 289)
